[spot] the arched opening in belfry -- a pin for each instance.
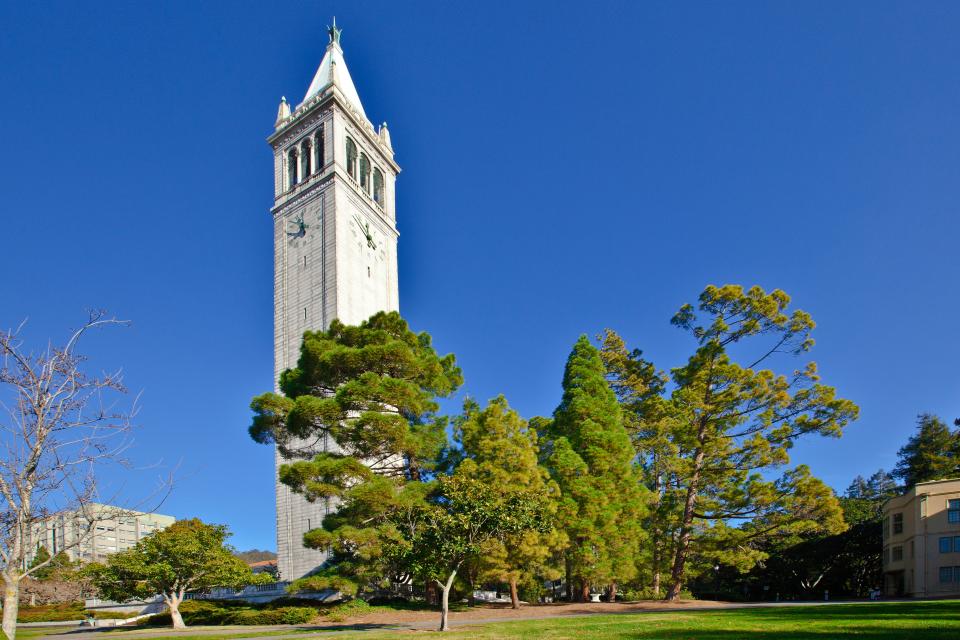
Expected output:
(351, 159)
(364, 172)
(377, 186)
(292, 160)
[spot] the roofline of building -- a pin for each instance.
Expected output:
(913, 488)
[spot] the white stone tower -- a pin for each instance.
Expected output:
(335, 243)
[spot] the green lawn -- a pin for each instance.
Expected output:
(874, 621)
(938, 620)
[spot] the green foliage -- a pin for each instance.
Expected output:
(647, 593)
(461, 516)
(188, 554)
(648, 419)
(717, 433)
(370, 389)
(498, 448)
(52, 612)
(864, 498)
(603, 500)
(348, 609)
(58, 567)
(932, 453)
(222, 612)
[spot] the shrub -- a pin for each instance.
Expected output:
(51, 612)
(647, 594)
(344, 610)
(233, 612)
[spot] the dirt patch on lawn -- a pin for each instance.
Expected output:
(503, 612)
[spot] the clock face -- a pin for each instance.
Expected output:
(364, 228)
(296, 227)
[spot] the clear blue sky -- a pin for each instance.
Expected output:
(567, 167)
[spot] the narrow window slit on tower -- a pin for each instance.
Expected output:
(304, 313)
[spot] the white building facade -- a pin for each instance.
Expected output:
(335, 244)
(95, 533)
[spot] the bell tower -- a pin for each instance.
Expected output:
(335, 244)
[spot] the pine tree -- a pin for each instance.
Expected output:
(500, 450)
(932, 453)
(647, 418)
(362, 404)
(863, 500)
(603, 500)
(733, 422)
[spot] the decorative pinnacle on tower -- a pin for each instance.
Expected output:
(334, 33)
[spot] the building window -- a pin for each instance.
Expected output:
(292, 168)
(351, 159)
(953, 511)
(377, 186)
(946, 545)
(364, 172)
(949, 574)
(307, 159)
(896, 554)
(320, 150)
(897, 523)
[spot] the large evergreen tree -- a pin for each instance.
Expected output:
(721, 429)
(735, 421)
(863, 500)
(932, 453)
(499, 449)
(603, 499)
(360, 406)
(647, 418)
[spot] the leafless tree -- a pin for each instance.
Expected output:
(59, 426)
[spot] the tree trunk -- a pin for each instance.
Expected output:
(612, 592)
(11, 605)
(173, 603)
(445, 602)
(584, 591)
(514, 597)
(686, 525)
(657, 540)
(569, 576)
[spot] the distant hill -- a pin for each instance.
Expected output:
(256, 555)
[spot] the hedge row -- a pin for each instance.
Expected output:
(205, 612)
(62, 613)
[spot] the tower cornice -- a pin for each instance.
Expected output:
(318, 103)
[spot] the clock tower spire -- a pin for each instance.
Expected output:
(335, 245)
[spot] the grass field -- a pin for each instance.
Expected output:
(873, 621)
(938, 620)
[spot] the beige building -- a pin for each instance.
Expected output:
(921, 541)
(104, 531)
